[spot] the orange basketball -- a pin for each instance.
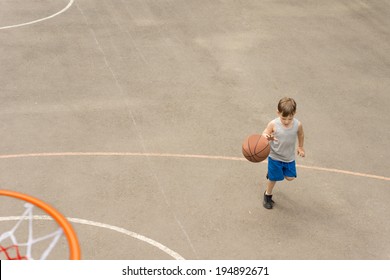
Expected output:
(255, 148)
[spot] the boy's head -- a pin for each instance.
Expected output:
(287, 107)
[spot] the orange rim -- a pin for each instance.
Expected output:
(74, 247)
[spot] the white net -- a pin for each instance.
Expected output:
(17, 248)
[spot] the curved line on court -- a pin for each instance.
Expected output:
(41, 19)
(68, 154)
(140, 237)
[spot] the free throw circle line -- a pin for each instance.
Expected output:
(41, 19)
(140, 237)
(68, 154)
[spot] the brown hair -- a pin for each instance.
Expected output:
(287, 106)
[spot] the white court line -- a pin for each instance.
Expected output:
(140, 237)
(41, 19)
(317, 168)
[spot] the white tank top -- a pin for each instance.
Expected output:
(284, 148)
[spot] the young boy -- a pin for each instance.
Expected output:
(282, 134)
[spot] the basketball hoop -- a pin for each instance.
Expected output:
(64, 227)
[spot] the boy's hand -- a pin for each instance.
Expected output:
(301, 151)
(270, 137)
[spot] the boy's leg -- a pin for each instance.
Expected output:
(275, 173)
(270, 187)
(289, 171)
(267, 201)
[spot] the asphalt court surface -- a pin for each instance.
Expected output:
(128, 117)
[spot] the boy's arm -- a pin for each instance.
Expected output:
(301, 140)
(269, 132)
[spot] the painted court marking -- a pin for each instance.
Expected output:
(69, 154)
(41, 19)
(140, 237)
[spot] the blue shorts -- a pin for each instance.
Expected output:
(277, 170)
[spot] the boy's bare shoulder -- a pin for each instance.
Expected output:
(271, 124)
(300, 127)
(270, 128)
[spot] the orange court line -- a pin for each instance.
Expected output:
(340, 171)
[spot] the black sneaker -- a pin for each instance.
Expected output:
(268, 202)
